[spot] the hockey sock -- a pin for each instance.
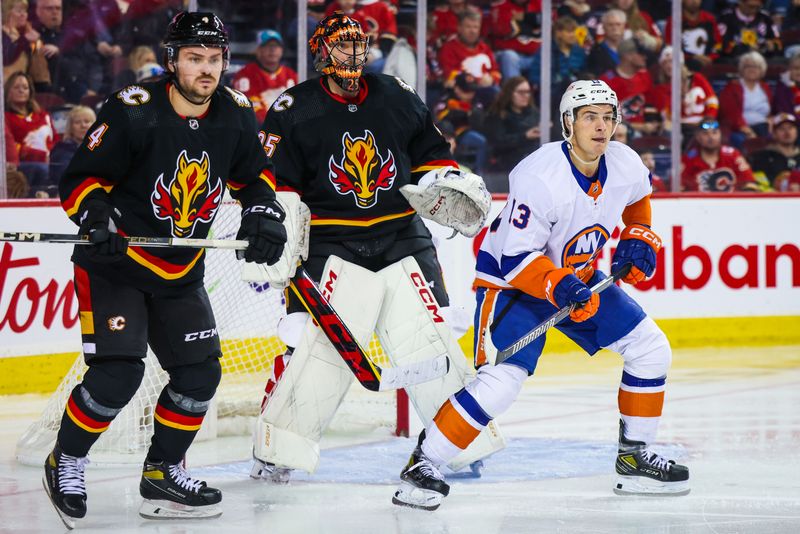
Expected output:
(466, 413)
(640, 403)
(83, 421)
(176, 422)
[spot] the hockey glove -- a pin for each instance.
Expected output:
(563, 288)
(97, 221)
(262, 227)
(638, 246)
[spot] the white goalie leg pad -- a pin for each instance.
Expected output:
(316, 379)
(297, 224)
(411, 328)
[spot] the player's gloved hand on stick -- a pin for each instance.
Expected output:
(638, 246)
(97, 221)
(563, 288)
(262, 226)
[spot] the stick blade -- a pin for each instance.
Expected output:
(415, 373)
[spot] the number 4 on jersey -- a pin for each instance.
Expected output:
(96, 137)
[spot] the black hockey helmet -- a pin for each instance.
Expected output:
(195, 29)
(332, 32)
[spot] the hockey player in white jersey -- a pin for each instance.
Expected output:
(564, 201)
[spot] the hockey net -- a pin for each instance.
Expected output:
(247, 315)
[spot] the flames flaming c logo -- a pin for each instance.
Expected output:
(362, 170)
(189, 197)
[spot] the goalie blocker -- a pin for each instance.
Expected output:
(410, 325)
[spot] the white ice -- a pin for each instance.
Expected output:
(732, 415)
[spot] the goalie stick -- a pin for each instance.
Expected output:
(557, 317)
(370, 375)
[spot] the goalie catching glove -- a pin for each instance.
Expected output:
(262, 227)
(638, 246)
(452, 198)
(296, 225)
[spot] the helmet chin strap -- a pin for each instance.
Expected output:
(576, 156)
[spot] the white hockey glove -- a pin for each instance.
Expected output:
(297, 224)
(452, 198)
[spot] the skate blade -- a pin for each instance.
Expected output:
(68, 521)
(275, 475)
(650, 487)
(414, 497)
(161, 509)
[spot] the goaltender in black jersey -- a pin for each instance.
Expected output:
(165, 174)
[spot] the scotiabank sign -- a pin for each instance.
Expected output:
(722, 257)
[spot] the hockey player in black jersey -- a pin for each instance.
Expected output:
(156, 163)
(363, 153)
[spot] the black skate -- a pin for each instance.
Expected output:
(170, 493)
(422, 484)
(64, 483)
(262, 470)
(643, 472)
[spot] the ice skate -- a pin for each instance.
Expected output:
(64, 483)
(270, 472)
(643, 472)
(170, 493)
(422, 484)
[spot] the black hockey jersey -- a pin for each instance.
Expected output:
(348, 158)
(166, 174)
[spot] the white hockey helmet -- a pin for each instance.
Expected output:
(586, 93)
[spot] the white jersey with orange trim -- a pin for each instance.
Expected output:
(555, 211)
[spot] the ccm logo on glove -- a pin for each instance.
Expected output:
(264, 210)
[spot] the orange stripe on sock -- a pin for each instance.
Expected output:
(640, 404)
(83, 420)
(486, 308)
(454, 427)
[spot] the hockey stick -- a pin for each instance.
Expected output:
(557, 317)
(370, 375)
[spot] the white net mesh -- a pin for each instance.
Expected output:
(247, 315)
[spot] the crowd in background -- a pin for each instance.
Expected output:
(740, 76)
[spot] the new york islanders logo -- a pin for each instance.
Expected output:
(362, 169)
(189, 197)
(582, 249)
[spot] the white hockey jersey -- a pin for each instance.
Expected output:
(555, 211)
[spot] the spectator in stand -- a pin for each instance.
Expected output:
(142, 64)
(443, 23)
(378, 21)
(639, 25)
(700, 38)
(16, 183)
(461, 109)
(787, 90)
(746, 28)
(604, 55)
(649, 161)
(33, 132)
(713, 167)
(514, 32)
(568, 61)
(23, 50)
(775, 166)
(745, 102)
(264, 79)
(621, 134)
(468, 52)
(699, 99)
(79, 119)
(631, 81)
(145, 22)
(49, 17)
(588, 21)
(512, 124)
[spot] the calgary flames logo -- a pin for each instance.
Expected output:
(362, 170)
(189, 197)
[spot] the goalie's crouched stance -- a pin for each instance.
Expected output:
(116, 324)
(403, 308)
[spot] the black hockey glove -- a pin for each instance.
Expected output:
(97, 221)
(262, 226)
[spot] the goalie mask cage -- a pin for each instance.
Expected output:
(247, 316)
